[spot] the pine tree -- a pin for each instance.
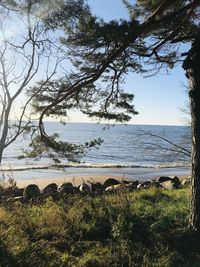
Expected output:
(106, 51)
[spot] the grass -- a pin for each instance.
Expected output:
(146, 228)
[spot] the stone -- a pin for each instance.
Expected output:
(19, 199)
(10, 191)
(168, 185)
(96, 188)
(132, 185)
(66, 188)
(11, 200)
(66, 184)
(31, 192)
(155, 184)
(18, 192)
(110, 182)
(114, 188)
(186, 181)
(135, 183)
(125, 182)
(76, 190)
(175, 180)
(55, 196)
(84, 188)
(50, 189)
(145, 184)
(163, 179)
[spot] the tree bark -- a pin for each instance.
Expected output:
(5, 130)
(192, 67)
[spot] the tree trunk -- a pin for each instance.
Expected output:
(192, 67)
(4, 130)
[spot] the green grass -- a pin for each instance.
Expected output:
(147, 228)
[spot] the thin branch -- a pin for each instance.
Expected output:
(185, 151)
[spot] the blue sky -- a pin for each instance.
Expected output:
(157, 99)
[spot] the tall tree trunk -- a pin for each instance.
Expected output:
(5, 127)
(192, 67)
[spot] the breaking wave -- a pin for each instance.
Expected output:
(6, 168)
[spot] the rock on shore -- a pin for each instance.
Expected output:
(111, 185)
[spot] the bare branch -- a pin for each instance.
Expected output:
(175, 147)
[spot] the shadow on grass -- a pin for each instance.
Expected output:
(187, 246)
(6, 259)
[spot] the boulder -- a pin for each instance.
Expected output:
(19, 199)
(162, 179)
(114, 188)
(10, 191)
(55, 196)
(50, 189)
(76, 190)
(135, 183)
(110, 182)
(84, 188)
(186, 181)
(31, 192)
(125, 182)
(176, 181)
(132, 185)
(168, 185)
(66, 184)
(96, 188)
(66, 188)
(144, 184)
(18, 192)
(156, 184)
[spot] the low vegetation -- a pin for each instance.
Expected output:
(145, 228)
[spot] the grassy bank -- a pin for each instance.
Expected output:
(147, 228)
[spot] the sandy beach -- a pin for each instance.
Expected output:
(74, 180)
(78, 175)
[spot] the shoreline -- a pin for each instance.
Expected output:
(78, 180)
(128, 173)
(65, 166)
(78, 175)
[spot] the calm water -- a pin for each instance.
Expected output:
(127, 146)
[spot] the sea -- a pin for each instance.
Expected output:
(128, 151)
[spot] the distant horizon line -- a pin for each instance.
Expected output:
(111, 123)
(118, 123)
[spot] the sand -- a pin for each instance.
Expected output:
(74, 180)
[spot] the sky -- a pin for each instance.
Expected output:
(157, 99)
